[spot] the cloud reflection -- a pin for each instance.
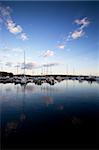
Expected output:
(22, 117)
(48, 100)
(76, 121)
(11, 127)
(60, 107)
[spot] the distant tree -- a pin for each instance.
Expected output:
(4, 74)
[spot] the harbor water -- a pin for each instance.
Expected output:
(64, 115)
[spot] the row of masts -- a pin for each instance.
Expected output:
(45, 70)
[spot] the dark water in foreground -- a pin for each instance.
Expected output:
(65, 115)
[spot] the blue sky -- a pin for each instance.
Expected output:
(59, 35)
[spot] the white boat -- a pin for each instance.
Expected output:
(73, 78)
(16, 81)
(51, 80)
(59, 79)
(30, 80)
(24, 80)
(80, 78)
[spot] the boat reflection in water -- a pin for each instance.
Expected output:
(64, 115)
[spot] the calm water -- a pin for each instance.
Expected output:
(59, 116)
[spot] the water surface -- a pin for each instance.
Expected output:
(65, 115)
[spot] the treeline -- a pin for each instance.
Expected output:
(4, 74)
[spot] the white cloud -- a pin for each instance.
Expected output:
(34, 64)
(5, 11)
(51, 64)
(77, 34)
(5, 49)
(62, 46)
(23, 36)
(79, 31)
(10, 49)
(9, 64)
(6, 18)
(4, 56)
(29, 65)
(48, 53)
(18, 49)
(13, 28)
(17, 65)
(82, 22)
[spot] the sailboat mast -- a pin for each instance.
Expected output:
(17, 69)
(24, 62)
(67, 69)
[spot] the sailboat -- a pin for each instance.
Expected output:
(24, 79)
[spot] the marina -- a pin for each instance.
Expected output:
(51, 79)
(49, 75)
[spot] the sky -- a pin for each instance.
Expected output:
(57, 37)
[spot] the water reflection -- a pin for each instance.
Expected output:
(76, 121)
(48, 100)
(33, 110)
(60, 107)
(11, 127)
(22, 117)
